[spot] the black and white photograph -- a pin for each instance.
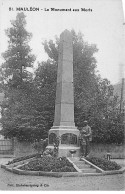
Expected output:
(62, 95)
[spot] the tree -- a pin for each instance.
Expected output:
(28, 109)
(91, 92)
(18, 56)
(84, 68)
(94, 98)
(16, 80)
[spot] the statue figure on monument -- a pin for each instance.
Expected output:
(85, 138)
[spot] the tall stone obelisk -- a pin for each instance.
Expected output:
(64, 126)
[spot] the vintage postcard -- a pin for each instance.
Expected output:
(62, 95)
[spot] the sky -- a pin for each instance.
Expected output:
(102, 26)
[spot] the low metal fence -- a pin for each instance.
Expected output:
(6, 146)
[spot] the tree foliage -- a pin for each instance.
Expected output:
(28, 107)
(93, 95)
(16, 80)
(94, 100)
(18, 56)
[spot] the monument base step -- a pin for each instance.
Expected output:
(65, 151)
(88, 170)
(82, 166)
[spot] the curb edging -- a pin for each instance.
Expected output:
(60, 174)
(93, 165)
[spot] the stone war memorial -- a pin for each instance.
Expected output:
(62, 159)
(62, 102)
(64, 127)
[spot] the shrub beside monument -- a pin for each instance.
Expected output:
(49, 164)
(104, 164)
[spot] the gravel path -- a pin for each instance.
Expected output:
(10, 181)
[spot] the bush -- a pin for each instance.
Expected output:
(49, 164)
(40, 145)
(104, 164)
(23, 158)
(105, 131)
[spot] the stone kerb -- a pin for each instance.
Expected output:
(18, 163)
(61, 174)
(92, 165)
(99, 172)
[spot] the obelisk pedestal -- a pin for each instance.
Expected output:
(64, 126)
